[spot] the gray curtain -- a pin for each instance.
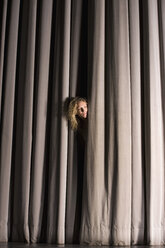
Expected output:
(52, 188)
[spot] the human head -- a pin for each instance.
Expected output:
(82, 109)
(77, 107)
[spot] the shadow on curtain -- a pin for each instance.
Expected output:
(53, 187)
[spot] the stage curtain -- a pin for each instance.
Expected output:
(53, 189)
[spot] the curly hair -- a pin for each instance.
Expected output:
(72, 111)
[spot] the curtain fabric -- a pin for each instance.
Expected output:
(52, 189)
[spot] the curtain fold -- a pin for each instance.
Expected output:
(53, 188)
(94, 202)
(154, 134)
(7, 112)
(137, 194)
(22, 140)
(3, 26)
(40, 117)
(120, 120)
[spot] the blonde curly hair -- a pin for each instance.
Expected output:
(72, 111)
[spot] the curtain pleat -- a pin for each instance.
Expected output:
(137, 194)
(59, 130)
(21, 176)
(94, 195)
(119, 126)
(39, 117)
(54, 188)
(7, 112)
(3, 27)
(154, 134)
(75, 80)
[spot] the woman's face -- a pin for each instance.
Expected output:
(82, 109)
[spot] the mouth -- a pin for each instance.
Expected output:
(84, 115)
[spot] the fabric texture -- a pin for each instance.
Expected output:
(54, 186)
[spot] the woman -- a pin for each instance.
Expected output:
(77, 116)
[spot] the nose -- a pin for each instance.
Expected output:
(82, 109)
